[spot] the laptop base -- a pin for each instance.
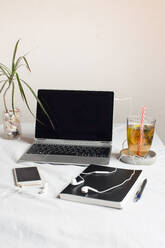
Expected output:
(58, 159)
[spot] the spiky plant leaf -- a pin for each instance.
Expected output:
(3, 86)
(13, 90)
(23, 93)
(1, 81)
(24, 97)
(20, 86)
(4, 72)
(38, 100)
(27, 64)
(14, 55)
(5, 68)
(18, 62)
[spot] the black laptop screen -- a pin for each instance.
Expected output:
(76, 115)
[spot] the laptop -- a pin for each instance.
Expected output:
(82, 128)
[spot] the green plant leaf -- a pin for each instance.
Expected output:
(14, 55)
(3, 86)
(23, 93)
(19, 66)
(5, 68)
(13, 90)
(20, 86)
(27, 64)
(18, 62)
(4, 94)
(4, 72)
(38, 100)
(24, 97)
(1, 81)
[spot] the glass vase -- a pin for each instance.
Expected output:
(11, 124)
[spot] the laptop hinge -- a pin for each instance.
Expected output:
(73, 142)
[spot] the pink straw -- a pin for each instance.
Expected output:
(141, 131)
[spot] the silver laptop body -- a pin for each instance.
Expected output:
(82, 133)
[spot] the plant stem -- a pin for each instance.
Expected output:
(4, 97)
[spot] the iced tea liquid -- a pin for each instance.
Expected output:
(133, 138)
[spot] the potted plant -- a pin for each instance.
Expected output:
(9, 80)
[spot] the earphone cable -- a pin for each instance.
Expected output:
(116, 186)
(99, 172)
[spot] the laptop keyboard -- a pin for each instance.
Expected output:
(85, 151)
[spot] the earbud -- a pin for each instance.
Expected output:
(74, 181)
(85, 189)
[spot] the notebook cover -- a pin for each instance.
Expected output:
(102, 182)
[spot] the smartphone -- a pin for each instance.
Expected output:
(27, 176)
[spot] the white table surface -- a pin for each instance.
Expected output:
(46, 221)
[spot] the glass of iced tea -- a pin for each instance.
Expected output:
(140, 140)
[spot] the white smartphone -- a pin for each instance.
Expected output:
(27, 176)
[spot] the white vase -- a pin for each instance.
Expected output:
(11, 124)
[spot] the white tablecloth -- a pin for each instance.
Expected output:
(46, 221)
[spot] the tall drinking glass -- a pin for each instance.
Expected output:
(139, 141)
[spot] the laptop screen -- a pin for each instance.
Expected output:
(76, 115)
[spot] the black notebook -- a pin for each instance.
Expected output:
(113, 186)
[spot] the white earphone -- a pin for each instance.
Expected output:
(74, 181)
(99, 172)
(85, 189)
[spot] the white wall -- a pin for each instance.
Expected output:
(90, 44)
